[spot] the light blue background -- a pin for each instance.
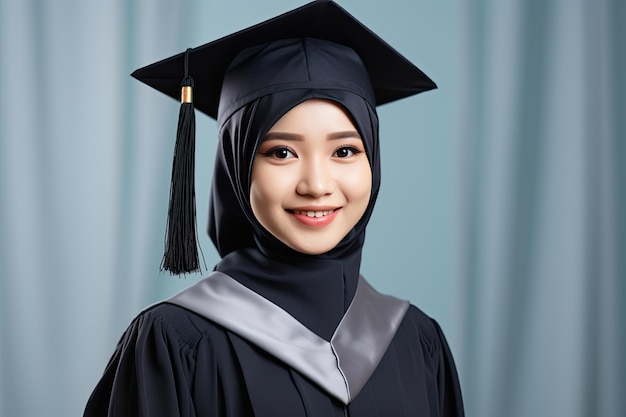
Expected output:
(501, 210)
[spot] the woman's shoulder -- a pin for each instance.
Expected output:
(179, 324)
(420, 325)
(164, 349)
(418, 317)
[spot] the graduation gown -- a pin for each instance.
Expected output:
(191, 356)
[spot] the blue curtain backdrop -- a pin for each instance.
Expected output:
(501, 212)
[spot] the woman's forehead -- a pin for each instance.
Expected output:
(316, 114)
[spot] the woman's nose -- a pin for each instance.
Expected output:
(316, 179)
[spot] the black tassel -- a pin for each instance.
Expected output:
(181, 238)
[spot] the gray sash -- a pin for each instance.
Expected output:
(341, 367)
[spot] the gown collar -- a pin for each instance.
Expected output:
(315, 290)
(340, 366)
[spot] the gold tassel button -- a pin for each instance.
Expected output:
(186, 94)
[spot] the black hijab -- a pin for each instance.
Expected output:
(264, 83)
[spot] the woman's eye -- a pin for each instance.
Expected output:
(346, 152)
(280, 152)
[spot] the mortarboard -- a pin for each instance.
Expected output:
(390, 77)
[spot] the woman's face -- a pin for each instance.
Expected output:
(311, 179)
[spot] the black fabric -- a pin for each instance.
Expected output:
(172, 362)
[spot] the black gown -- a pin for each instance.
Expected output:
(174, 362)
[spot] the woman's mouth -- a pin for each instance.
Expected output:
(314, 218)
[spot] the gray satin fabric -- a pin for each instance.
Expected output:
(365, 332)
(341, 367)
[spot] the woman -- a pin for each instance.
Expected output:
(285, 325)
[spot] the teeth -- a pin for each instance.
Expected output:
(311, 213)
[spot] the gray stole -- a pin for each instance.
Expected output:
(341, 367)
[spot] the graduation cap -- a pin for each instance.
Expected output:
(357, 57)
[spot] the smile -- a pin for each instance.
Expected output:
(310, 213)
(314, 218)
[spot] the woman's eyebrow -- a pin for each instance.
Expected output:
(284, 136)
(344, 135)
